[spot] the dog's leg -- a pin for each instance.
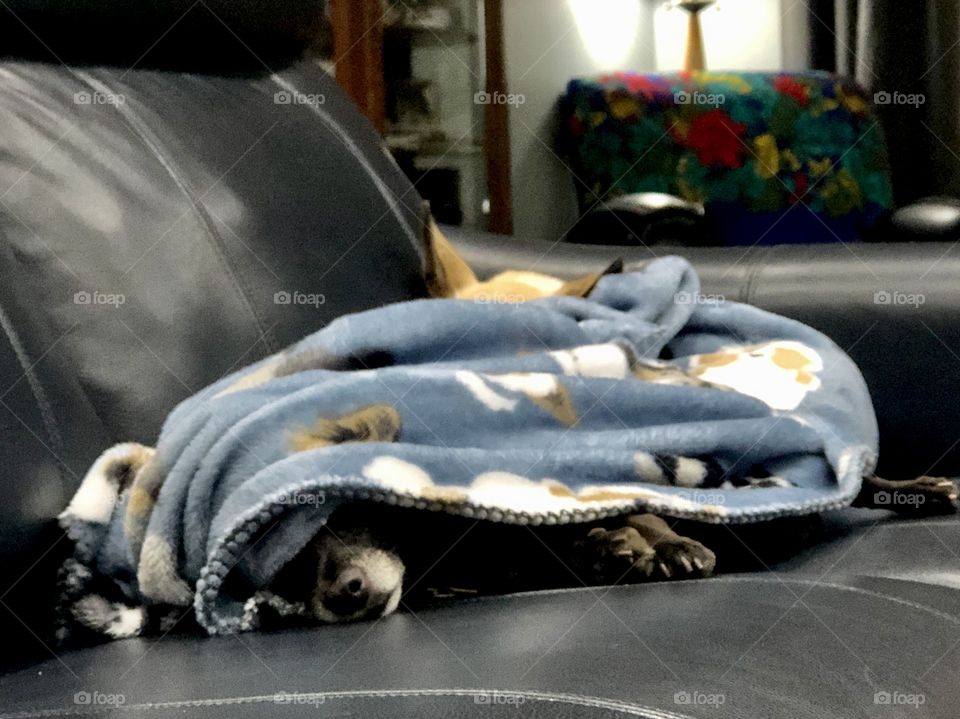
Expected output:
(645, 547)
(924, 496)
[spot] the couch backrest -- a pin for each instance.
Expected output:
(158, 230)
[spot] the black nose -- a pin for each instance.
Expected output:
(352, 582)
(349, 593)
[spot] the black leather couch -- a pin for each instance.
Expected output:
(148, 219)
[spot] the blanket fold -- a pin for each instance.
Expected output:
(645, 396)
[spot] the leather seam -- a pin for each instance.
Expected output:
(813, 584)
(214, 239)
(753, 276)
(302, 698)
(36, 387)
(389, 197)
(588, 591)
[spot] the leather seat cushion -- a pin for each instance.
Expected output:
(875, 610)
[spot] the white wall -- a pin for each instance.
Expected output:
(548, 42)
(795, 34)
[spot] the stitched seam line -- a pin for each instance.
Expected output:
(36, 388)
(214, 239)
(392, 201)
(712, 580)
(753, 276)
(621, 707)
(953, 619)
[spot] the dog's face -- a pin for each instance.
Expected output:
(449, 276)
(356, 578)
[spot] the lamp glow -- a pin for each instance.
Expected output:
(608, 28)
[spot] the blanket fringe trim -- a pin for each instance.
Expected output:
(232, 547)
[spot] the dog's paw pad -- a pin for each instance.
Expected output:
(683, 558)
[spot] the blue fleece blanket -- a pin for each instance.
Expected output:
(645, 396)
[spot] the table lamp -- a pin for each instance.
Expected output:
(694, 58)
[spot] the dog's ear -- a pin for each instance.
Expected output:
(446, 271)
(583, 286)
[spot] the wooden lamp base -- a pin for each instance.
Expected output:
(694, 58)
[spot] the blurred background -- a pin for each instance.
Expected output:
(466, 92)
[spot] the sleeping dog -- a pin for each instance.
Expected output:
(369, 556)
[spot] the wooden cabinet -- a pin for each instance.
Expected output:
(425, 73)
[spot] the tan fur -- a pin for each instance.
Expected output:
(449, 277)
(254, 379)
(447, 272)
(144, 490)
(124, 471)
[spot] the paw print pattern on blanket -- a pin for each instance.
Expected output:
(781, 374)
(544, 390)
(375, 423)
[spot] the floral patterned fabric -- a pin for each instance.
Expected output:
(749, 146)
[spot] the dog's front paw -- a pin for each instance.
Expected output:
(618, 555)
(681, 558)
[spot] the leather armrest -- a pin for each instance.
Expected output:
(894, 308)
(930, 219)
(643, 218)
